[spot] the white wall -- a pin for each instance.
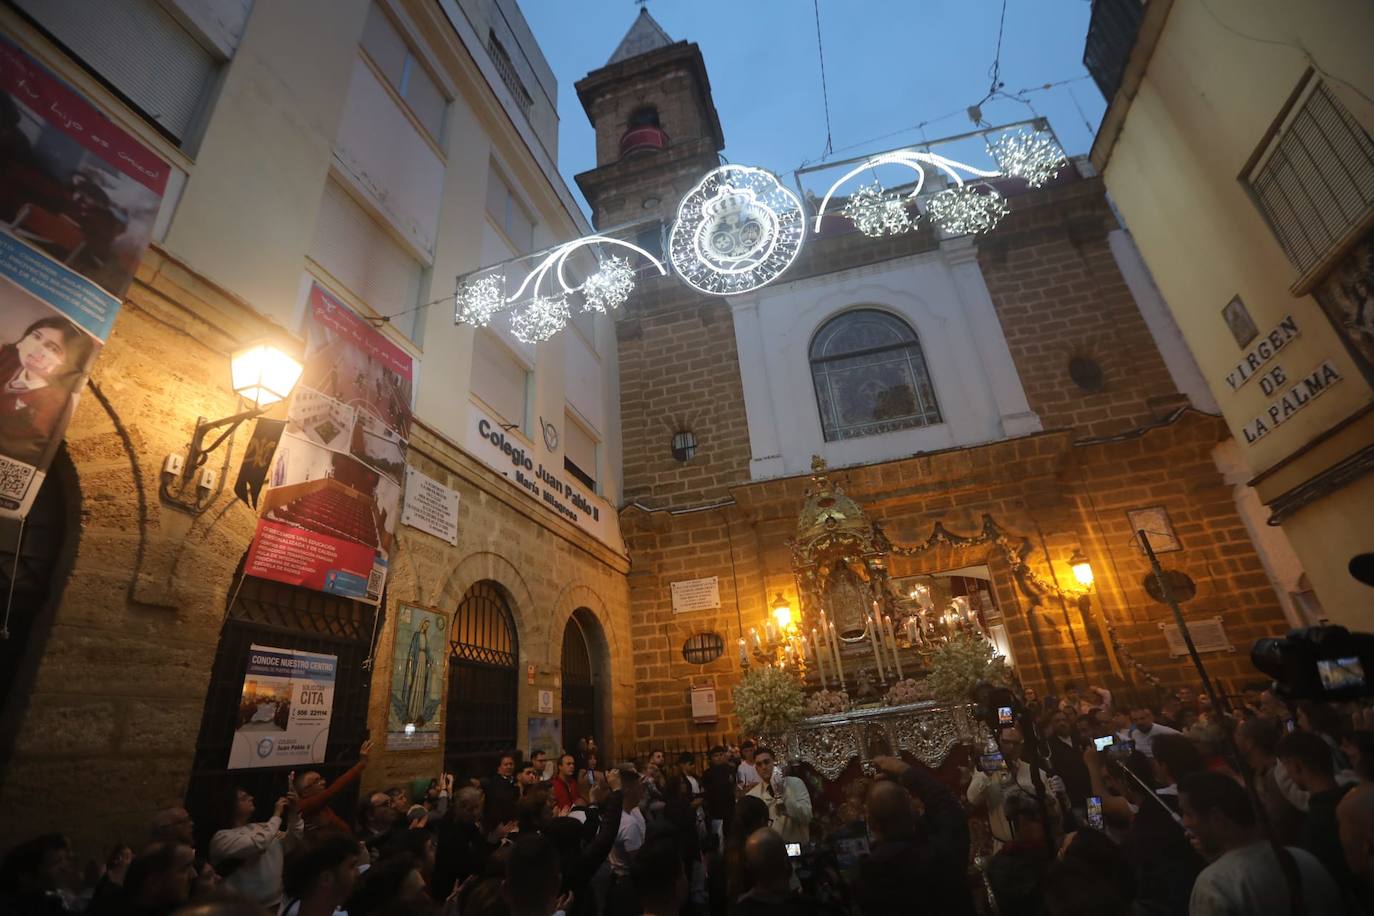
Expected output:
(942, 296)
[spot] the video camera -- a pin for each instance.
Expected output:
(996, 707)
(1318, 663)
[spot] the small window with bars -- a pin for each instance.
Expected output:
(506, 67)
(1314, 181)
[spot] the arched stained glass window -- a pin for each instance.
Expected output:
(870, 376)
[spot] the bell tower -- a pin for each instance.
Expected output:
(657, 131)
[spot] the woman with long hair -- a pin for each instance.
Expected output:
(38, 373)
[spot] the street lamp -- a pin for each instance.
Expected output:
(1082, 570)
(261, 373)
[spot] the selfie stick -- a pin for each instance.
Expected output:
(1287, 865)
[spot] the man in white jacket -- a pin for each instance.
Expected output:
(252, 854)
(788, 801)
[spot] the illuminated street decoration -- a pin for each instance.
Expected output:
(547, 311)
(609, 287)
(956, 212)
(540, 318)
(1034, 157)
(967, 210)
(876, 212)
(478, 301)
(737, 230)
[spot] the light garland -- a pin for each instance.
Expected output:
(967, 210)
(609, 287)
(737, 230)
(540, 319)
(547, 311)
(877, 213)
(478, 301)
(1034, 157)
(916, 160)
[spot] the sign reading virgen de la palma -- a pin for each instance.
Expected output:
(533, 469)
(1289, 396)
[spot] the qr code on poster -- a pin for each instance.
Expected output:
(374, 582)
(15, 477)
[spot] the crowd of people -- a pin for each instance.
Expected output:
(1084, 806)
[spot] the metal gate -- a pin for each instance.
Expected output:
(579, 685)
(290, 617)
(483, 682)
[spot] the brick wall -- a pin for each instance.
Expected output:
(1058, 494)
(1059, 295)
(679, 370)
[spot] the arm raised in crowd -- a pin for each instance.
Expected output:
(317, 801)
(600, 847)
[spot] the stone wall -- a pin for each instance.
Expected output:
(1057, 493)
(107, 707)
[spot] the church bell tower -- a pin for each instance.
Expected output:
(657, 131)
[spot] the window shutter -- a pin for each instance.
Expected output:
(139, 49)
(354, 248)
(578, 446)
(498, 378)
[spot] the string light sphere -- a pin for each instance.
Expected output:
(610, 286)
(967, 210)
(478, 301)
(540, 319)
(1034, 157)
(876, 213)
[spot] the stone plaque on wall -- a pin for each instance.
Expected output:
(696, 595)
(1209, 635)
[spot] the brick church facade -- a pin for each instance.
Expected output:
(1063, 408)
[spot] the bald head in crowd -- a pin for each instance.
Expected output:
(890, 814)
(172, 825)
(765, 856)
(1355, 814)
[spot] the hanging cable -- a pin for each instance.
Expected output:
(995, 71)
(378, 320)
(825, 92)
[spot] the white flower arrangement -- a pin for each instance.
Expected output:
(908, 690)
(826, 702)
(961, 664)
(768, 701)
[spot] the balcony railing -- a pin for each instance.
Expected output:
(1111, 35)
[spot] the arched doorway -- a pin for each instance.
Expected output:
(583, 652)
(483, 682)
(283, 616)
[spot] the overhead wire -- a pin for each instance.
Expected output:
(825, 91)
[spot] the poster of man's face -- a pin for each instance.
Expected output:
(65, 188)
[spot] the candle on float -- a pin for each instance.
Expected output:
(816, 650)
(913, 631)
(743, 652)
(835, 647)
(758, 645)
(768, 632)
(892, 642)
(877, 649)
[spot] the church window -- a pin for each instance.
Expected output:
(871, 376)
(703, 648)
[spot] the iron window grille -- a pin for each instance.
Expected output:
(1314, 181)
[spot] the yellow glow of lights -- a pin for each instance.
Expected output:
(1082, 569)
(263, 373)
(782, 612)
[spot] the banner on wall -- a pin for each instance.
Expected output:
(285, 708)
(334, 490)
(78, 198)
(419, 660)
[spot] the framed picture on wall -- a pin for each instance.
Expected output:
(1154, 521)
(1237, 318)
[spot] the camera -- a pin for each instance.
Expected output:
(1101, 744)
(793, 850)
(1318, 663)
(995, 706)
(1004, 716)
